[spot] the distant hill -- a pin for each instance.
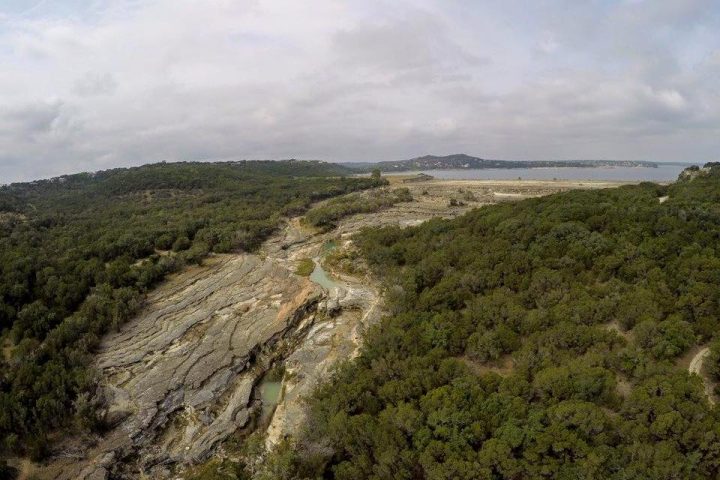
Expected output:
(463, 161)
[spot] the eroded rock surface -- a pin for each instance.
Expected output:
(179, 378)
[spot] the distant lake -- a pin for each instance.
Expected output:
(663, 173)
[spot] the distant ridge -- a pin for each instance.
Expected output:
(461, 161)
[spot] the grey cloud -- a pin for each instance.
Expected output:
(92, 84)
(29, 121)
(673, 13)
(415, 45)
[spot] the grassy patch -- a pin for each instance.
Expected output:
(219, 470)
(305, 267)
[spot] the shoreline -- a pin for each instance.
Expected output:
(622, 175)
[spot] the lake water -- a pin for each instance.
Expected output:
(663, 173)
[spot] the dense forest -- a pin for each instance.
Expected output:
(533, 340)
(78, 252)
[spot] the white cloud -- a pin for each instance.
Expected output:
(87, 85)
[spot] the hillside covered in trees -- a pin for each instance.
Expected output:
(78, 252)
(467, 162)
(533, 340)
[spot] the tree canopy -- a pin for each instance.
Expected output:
(533, 340)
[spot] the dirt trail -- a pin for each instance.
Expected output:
(696, 365)
(697, 361)
(180, 377)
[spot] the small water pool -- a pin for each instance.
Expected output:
(270, 392)
(321, 278)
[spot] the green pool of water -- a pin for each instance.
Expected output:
(270, 395)
(270, 392)
(320, 277)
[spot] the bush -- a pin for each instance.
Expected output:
(664, 340)
(181, 243)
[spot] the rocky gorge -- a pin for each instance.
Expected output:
(184, 374)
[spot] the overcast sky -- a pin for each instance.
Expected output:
(88, 85)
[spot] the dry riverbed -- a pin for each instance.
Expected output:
(184, 375)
